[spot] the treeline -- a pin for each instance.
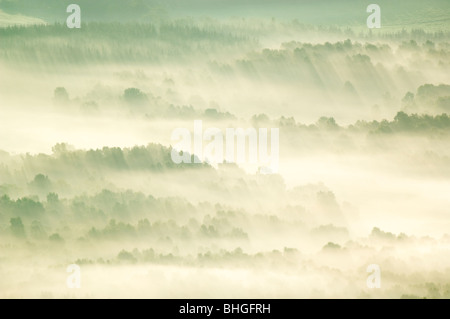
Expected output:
(99, 10)
(153, 157)
(100, 43)
(402, 122)
(184, 39)
(413, 123)
(350, 70)
(179, 30)
(122, 206)
(111, 217)
(67, 170)
(166, 230)
(221, 258)
(428, 97)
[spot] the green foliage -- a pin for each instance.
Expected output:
(99, 10)
(41, 183)
(60, 96)
(17, 228)
(431, 91)
(37, 231)
(52, 198)
(377, 233)
(135, 96)
(327, 123)
(56, 238)
(331, 247)
(100, 43)
(23, 207)
(411, 123)
(217, 115)
(415, 122)
(126, 256)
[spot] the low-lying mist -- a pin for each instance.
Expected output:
(87, 178)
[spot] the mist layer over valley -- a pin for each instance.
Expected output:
(87, 177)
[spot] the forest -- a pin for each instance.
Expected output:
(87, 178)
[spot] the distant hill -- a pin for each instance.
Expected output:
(98, 10)
(431, 14)
(11, 19)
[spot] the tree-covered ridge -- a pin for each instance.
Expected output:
(99, 10)
(68, 171)
(153, 157)
(177, 40)
(398, 14)
(112, 229)
(401, 123)
(99, 43)
(352, 68)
